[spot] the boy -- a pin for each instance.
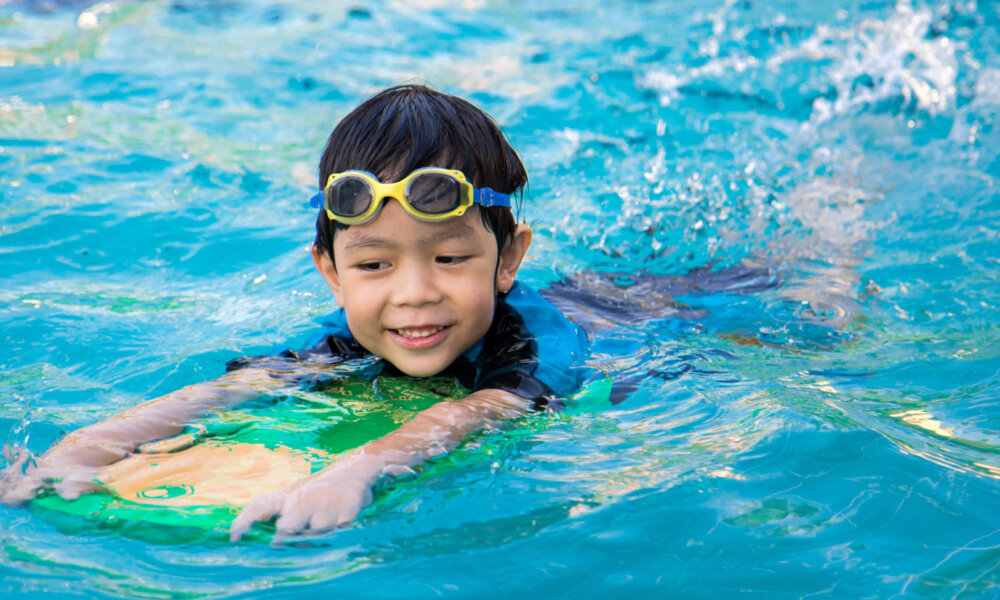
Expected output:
(424, 272)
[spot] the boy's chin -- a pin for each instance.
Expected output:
(428, 367)
(412, 371)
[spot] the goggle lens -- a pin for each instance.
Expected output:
(349, 196)
(434, 193)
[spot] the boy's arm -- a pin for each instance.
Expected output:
(335, 495)
(512, 381)
(70, 466)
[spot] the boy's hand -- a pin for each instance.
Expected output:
(326, 499)
(335, 495)
(72, 466)
(26, 476)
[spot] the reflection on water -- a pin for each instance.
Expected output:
(777, 219)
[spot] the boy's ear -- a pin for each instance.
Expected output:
(511, 256)
(329, 272)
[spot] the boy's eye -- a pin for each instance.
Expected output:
(450, 260)
(375, 265)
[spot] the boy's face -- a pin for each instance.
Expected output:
(420, 294)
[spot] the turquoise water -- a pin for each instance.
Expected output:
(837, 435)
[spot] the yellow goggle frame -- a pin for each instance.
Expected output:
(462, 195)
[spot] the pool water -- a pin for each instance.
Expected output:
(831, 432)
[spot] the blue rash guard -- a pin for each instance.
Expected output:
(531, 350)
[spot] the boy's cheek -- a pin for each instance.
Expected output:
(360, 326)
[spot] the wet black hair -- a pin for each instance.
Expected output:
(406, 127)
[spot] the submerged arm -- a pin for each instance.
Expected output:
(335, 495)
(71, 465)
(442, 427)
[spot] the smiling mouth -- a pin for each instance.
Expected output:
(420, 338)
(418, 333)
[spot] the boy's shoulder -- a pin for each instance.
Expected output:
(561, 344)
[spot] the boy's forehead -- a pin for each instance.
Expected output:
(393, 227)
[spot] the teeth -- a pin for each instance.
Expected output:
(419, 332)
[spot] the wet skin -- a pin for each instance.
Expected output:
(419, 294)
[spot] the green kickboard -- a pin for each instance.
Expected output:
(189, 488)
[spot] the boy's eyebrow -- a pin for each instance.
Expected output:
(364, 240)
(452, 231)
(442, 234)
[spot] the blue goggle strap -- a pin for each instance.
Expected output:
(484, 197)
(489, 197)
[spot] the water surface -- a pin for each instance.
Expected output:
(834, 435)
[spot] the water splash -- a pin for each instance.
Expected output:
(15, 448)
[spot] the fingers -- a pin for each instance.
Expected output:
(333, 517)
(260, 508)
(17, 487)
(323, 501)
(292, 520)
(69, 474)
(315, 510)
(340, 510)
(329, 520)
(16, 493)
(302, 510)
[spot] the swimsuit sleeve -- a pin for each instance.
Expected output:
(532, 350)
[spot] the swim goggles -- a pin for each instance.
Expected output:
(428, 194)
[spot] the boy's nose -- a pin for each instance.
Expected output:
(415, 286)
